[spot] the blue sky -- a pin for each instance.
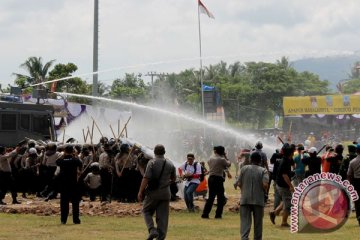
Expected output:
(135, 32)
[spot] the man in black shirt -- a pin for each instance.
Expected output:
(313, 162)
(70, 168)
(274, 165)
(283, 182)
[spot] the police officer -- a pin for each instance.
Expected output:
(106, 170)
(6, 179)
(157, 200)
(218, 163)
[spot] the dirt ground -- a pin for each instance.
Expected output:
(35, 205)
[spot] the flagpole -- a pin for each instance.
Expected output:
(201, 67)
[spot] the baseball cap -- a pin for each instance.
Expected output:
(351, 147)
(358, 146)
(312, 150)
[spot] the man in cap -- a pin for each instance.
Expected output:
(70, 169)
(354, 177)
(299, 168)
(217, 165)
(264, 160)
(313, 162)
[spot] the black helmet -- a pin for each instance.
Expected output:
(69, 148)
(259, 145)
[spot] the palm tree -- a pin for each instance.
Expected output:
(37, 71)
(284, 62)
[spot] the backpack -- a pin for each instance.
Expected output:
(202, 175)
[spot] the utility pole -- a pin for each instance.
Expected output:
(95, 90)
(152, 74)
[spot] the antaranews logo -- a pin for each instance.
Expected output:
(321, 203)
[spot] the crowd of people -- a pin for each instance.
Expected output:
(286, 169)
(112, 170)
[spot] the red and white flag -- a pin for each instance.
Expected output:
(204, 10)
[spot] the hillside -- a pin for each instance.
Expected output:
(333, 69)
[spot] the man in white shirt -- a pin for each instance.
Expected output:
(190, 171)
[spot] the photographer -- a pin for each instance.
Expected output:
(190, 171)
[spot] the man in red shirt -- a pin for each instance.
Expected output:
(325, 165)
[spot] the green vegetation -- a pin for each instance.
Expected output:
(251, 92)
(182, 226)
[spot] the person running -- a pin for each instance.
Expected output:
(284, 185)
(217, 165)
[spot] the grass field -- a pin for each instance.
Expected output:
(182, 226)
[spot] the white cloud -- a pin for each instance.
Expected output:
(142, 31)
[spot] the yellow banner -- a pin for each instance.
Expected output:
(329, 105)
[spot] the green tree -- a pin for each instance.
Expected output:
(131, 88)
(37, 71)
(73, 85)
(352, 85)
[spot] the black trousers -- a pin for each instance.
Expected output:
(216, 189)
(65, 198)
(106, 184)
(7, 183)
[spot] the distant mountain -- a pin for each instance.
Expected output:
(333, 69)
